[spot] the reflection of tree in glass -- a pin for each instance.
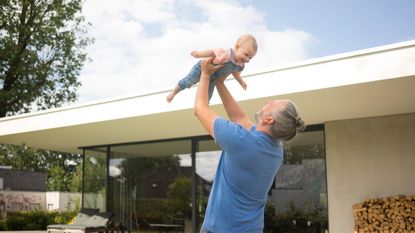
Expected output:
(295, 154)
(95, 174)
(307, 218)
(180, 197)
(133, 167)
(146, 182)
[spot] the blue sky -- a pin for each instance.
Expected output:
(144, 45)
(342, 26)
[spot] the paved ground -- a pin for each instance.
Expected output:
(23, 231)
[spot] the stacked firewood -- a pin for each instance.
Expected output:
(389, 214)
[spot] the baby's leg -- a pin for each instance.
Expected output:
(173, 93)
(191, 79)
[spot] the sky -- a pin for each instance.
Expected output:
(145, 45)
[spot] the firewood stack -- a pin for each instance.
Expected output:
(390, 214)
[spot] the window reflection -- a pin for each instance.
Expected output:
(297, 201)
(94, 182)
(151, 185)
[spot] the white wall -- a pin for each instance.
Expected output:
(371, 157)
(60, 200)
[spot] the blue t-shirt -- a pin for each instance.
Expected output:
(249, 162)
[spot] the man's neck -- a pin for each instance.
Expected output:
(263, 128)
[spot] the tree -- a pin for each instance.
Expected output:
(42, 46)
(180, 196)
(58, 179)
(60, 167)
(41, 53)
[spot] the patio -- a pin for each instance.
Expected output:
(23, 231)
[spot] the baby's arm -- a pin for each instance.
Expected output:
(237, 76)
(220, 55)
(203, 53)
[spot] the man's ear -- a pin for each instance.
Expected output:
(268, 120)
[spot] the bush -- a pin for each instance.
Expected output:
(64, 217)
(36, 220)
(28, 220)
(3, 226)
(294, 219)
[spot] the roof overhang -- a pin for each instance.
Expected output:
(367, 83)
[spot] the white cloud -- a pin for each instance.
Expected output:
(142, 45)
(206, 163)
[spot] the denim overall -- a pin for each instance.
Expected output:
(194, 76)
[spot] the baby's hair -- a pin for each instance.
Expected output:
(248, 38)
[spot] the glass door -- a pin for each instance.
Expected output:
(151, 186)
(207, 159)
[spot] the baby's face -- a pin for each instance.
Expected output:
(244, 53)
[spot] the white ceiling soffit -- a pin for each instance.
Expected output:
(367, 83)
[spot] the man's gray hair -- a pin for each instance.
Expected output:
(287, 122)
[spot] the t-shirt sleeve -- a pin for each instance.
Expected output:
(221, 56)
(227, 133)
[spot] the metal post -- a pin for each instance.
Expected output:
(194, 202)
(107, 180)
(83, 178)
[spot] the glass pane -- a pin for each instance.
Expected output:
(151, 186)
(95, 178)
(297, 200)
(207, 159)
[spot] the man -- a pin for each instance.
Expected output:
(251, 156)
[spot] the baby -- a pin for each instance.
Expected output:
(233, 61)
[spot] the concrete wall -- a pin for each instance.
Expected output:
(370, 157)
(21, 200)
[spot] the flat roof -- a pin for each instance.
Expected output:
(366, 83)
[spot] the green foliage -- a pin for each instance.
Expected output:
(138, 166)
(41, 53)
(270, 216)
(180, 197)
(95, 174)
(64, 217)
(32, 220)
(60, 167)
(36, 220)
(58, 179)
(294, 219)
(3, 225)
(76, 181)
(152, 211)
(294, 154)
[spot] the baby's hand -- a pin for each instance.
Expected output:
(244, 85)
(195, 54)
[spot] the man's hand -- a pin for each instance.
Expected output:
(208, 68)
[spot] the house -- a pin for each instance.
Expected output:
(21, 190)
(359, 143)
(26, 190)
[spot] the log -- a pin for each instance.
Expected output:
(387, 214)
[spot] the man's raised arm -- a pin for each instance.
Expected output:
(233, 109)
(202, 109)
